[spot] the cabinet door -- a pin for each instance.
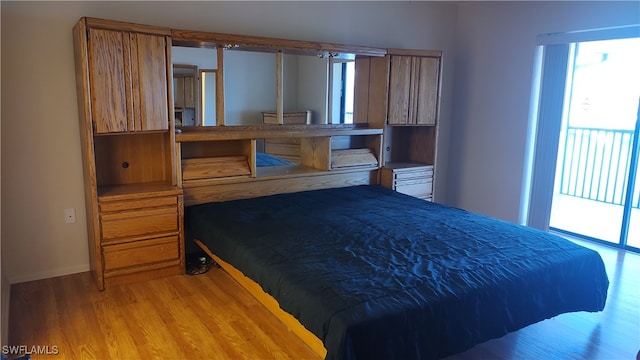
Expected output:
(178, 92)
(189, 92)
(428, 84)
(413, 90)
(128, 81)
(110, 84)
(149, 72)
(399, 90)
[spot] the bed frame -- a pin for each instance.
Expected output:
(270, 303)
(219, 164)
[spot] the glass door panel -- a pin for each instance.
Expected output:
(596, 142)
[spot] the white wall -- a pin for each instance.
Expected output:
(41, 160)
(493, 73)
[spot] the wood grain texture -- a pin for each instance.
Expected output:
(133, 158)
(353, 157)
(399, 90)
(80, 49)
(270, 303)
(210, 39)
(218, 133)
(215, 167)
(315, 152)
(428, 85)
(282, 182)
(126, 26)
(152, 82)
(181, 317)
(211, 316)
(109, 84)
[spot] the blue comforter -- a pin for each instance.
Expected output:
(378, 274)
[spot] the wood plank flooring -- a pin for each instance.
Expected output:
(211, 317)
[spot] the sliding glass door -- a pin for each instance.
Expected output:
(596, 193)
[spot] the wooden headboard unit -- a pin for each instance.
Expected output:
(219, 163)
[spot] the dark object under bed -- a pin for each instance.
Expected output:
(378, 274)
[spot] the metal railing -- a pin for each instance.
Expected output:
(595, 165)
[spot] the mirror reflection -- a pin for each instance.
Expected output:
(342, 82)
(190, 62)
(185, 94)
(278, 152)
(208, 78)
(315, 88)
(249, 86)
(305, 88)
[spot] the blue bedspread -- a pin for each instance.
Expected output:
(378, 274)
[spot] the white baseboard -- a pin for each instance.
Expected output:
(49, 274)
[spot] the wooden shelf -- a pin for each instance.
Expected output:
(114, 192)
(191, 134)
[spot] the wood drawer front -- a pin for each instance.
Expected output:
(141, 222)
(421, 172)
(141, 252)
(421, 189)
(138, 204)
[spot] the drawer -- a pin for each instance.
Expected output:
(109, 206)
(417, 189)
(139, 222)
(412, 181)
(423, 172)
(141, 252)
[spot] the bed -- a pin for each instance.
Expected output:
(373, 273)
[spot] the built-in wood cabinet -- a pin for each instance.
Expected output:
(184, 91)
(133, 202)
(128, 80)
(141, 234)
(414, 88)
(409, 178)
(139, 174)
(222, 164)
(401, 93)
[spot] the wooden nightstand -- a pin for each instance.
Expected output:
(409, 178)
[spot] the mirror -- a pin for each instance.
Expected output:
(185, 95)
(305, 87)
(188, 61)
(208, 98)
(250, 84)
(342, 80)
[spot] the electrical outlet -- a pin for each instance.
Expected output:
(70, 216)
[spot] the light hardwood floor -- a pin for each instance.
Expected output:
(210, 317)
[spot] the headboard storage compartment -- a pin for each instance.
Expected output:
(221, 164)
(284, 148)
(355, 151)
(214, 160)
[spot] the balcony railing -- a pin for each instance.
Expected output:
(595, 165)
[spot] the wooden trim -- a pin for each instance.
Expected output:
(173, 174)
(279, 88)
(210, 39)
(415, 52)
(270, 303)
(88, 166)
(271, 131)
(219, 87)
(146, 273)
(254, 187)
(126, 26)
